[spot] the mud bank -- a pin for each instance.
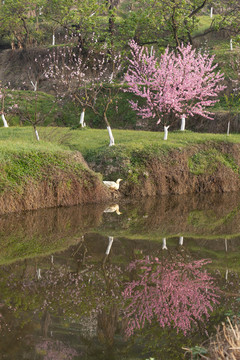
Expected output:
(68, 183)
(202, 168)
(212, 167)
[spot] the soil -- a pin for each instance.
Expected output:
(58, 189)
(171, 174)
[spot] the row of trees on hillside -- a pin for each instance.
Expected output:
(113, 23)
(176, 85)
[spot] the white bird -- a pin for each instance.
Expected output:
(112, 185)
(112, 209)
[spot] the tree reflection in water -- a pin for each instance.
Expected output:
(55, 350)
(103, 296)
(177, 294)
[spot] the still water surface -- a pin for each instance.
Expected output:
(126, 281)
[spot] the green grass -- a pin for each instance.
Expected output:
(208, 161)
(22, 157)
(89, 141)
(204, 23)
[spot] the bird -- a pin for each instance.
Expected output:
(112, 185)
(112, 209)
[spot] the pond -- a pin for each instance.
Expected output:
(133, 280)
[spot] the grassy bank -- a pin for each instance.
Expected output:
(43, 174)
(186, 163)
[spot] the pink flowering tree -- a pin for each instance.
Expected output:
(174, 86)
(177, 294)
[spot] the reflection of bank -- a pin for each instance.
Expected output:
(210, 217)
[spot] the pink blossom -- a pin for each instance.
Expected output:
(183, 83)
(175, 294)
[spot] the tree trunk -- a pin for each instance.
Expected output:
(39, 274)
(45, 323)
(36, 133)
(5, 124)
(164, 245)
(166, 132)
(110, 136)
(226, 275)
(110, 241)
(34, 85)
(181, 240)
(226, 245)
(228, 128)
(107, 123)
(174, 28)
(82, 122)
(183, 122)
(53, 39)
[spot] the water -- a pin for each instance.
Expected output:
(126, 281)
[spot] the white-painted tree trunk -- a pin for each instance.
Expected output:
(183, 123)
(53, 39)
(211, 12)
(82, 122)
(34, 85)
(37, 136)
(52, 260)
(110, 241)
(151, 51)
(111, 78)
(166, 132)
(110, 136)
(181, 240)
(164, 244)
(226, 275)
(5, 124)
(231, 44)
(228, 129)
(39, 274)
(226, 245)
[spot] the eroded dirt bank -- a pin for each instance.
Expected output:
(201, 168)
(58, 186)
(212, 167)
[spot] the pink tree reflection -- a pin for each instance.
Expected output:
(55, 350)
(175, 294)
